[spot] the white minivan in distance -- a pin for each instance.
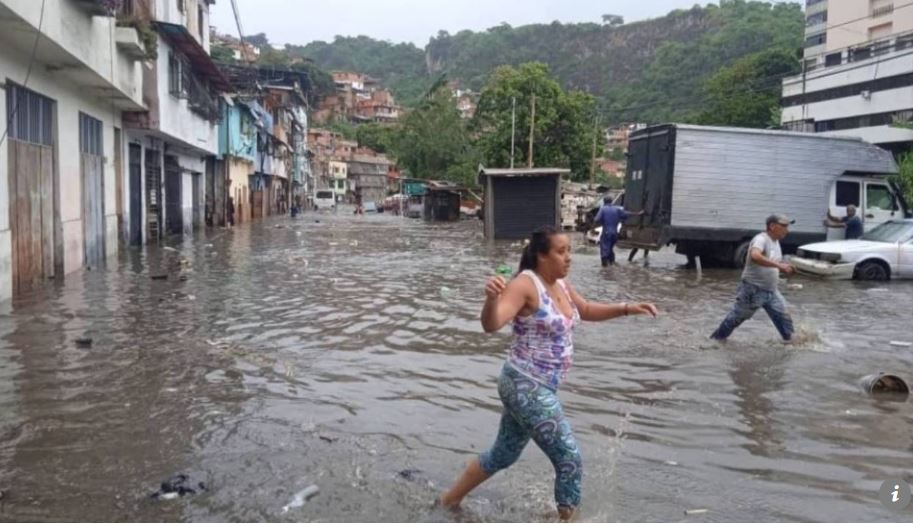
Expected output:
(324, 199)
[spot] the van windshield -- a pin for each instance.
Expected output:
(890, 232)
(324, 194)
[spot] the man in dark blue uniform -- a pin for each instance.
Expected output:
(852, 222)
(609, 217)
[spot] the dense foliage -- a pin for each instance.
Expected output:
(905, 177)
(655, 70)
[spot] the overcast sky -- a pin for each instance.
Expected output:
(303, 21)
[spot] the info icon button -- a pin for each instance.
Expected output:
(895, 494)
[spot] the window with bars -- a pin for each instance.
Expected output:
(31, 116)
(90, 135)
(175, 75)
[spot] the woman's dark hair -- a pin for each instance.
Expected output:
(540, 243)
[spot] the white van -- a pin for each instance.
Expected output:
(324, 199)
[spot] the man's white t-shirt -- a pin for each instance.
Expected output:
(764, 277)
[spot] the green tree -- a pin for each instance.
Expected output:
(433, 142)
(747, 93)
(904, 177)
(563, 127)
(379, 137)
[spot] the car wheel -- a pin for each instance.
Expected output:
(740, 254)
(872, 270)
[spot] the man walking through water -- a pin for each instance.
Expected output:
(609, 217)
(759, 282)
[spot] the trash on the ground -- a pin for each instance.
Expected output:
(898, 343)
(671, 463)
(884, 383)
(446, 292)
(210, 245)
(696, 511)
(354, 243)
(409, 474)
(191, 297)
(159, 277)
(796, 287)
(178, 486)
(171, 249)
(279, 226)
(327, 438)
(84, 342)
(183, 278)
(301, 497)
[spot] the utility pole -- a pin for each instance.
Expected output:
(513, 132)
(532, 128)
(593, 161)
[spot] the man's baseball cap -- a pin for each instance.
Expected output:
(783, 220)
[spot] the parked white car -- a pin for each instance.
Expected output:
(883, 253)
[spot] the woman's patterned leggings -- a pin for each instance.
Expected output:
(532, 410)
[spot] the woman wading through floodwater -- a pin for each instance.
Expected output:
(544, 309)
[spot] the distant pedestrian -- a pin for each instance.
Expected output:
(544, 309)
(852, 222)
(760, 279)
(231, 211)
(609, 217)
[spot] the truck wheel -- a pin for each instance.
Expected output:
(740, 254)
(872, 270)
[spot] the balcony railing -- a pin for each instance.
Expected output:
(99, 7)
(862, 52)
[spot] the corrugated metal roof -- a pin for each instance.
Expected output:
(536, 171)
(202, 63)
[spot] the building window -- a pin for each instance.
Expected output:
(816, 19)
(809, 3)
(181, 5)
(815, 40)
(881, 7)
(175, 75)
(90, 135)
(833, 59)
(31, 116)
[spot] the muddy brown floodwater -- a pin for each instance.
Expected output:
(347, 353)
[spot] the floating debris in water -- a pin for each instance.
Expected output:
(504, 270)
(178, 486)
(899, 344)
(696, 511)
(301, 497)
(671, 463)
(84, 342)
(795, 287)
(159, 277)
(170, 249)
(327, 438)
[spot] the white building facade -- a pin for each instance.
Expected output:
(68, 75)
(172, 145)
(857, 77)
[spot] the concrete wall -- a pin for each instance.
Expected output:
(853, 21)
(71, 99)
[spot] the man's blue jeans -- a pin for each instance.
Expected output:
(751, 298)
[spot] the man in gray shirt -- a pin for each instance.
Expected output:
(759, 282)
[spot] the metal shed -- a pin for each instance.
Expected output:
(442, 202)
(519, 201)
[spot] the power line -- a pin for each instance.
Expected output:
(28, 74)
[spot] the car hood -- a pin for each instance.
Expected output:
(846, 246)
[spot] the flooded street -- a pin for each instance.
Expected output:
(346, 352)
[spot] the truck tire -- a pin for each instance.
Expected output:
(740, 254)
(873, 270)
